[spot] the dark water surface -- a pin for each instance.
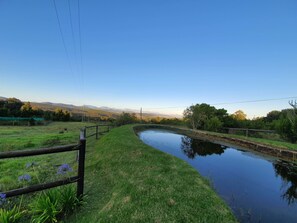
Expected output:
(257, 188)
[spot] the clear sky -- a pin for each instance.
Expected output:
(151, 53)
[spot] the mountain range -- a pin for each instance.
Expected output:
(90, 110)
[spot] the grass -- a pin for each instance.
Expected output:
(25, 137)
(269, 142)
(128, 181)
(44, 168)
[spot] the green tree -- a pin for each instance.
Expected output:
(61, 115)
(197, 115)
(239, 115)
(13, 107)
(272, 116)
(27, 110)
(125, 118)
(213, 124)
(287, 126)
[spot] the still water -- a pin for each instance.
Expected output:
(257, 188)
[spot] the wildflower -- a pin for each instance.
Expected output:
(2, 198)
(28, 165)
(25, 177)
(64, 168)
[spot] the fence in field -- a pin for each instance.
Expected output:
(80, 147)
(248, 132)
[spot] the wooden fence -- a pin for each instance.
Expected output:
(79, 179)
(248, 131)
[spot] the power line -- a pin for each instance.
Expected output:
(80, 51)
(80, 45)
(62, 36)
(230, 103)
(72, 32)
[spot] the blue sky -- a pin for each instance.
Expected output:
(152, 53)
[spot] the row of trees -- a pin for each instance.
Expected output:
(13, 107)
(206, 117)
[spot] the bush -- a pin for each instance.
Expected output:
(68, 200)
(54, 203)
(213, 124)
(11, 216)
(287, 129)
(47, 207)
(125, 118)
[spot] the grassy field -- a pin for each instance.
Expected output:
(40, 168)
(24, 137)
(128, 181)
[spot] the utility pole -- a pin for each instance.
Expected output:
(140, 115)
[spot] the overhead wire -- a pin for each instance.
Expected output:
(80, 51)
(62, 37)
(230, 103)
(72, 32)
(78, 65)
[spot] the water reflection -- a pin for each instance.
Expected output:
(288, 172)
(193, 147)
(257, 188)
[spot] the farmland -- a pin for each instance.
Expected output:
(126, 180)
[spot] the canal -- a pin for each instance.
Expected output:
(257, 188)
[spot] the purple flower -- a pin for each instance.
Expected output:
(25, 177)
(64, 168)
(28, 165)
(2, 198)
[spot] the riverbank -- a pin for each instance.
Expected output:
(256, 145)
(128, 181)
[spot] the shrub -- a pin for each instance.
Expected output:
(68, 199)
(11, 216)
(47, 207)
(125, 118)
(213, 124)
(287, 129)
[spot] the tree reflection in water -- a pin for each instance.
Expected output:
(193, 147)
(288, 172)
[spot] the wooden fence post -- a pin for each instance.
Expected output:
(81, 165)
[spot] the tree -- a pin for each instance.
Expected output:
(239, 115)
(11, 107)
(125, 118)
(61, 115)
(287, 126)
(213, 124)
(27, 110)
(197, 115)
(272, 116)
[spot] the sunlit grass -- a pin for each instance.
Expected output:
(25, 137)
(128, 181)
(269, 142)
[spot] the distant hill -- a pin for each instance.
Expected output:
(90, 110)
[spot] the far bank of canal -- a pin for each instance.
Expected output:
(258, 188)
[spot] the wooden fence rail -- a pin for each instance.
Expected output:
(247, 131)
(79, 179)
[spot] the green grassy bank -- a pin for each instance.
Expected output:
(128, 181)
(269, 142)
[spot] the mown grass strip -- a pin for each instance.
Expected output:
(128, 181)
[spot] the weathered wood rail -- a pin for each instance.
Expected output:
(79, 179)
